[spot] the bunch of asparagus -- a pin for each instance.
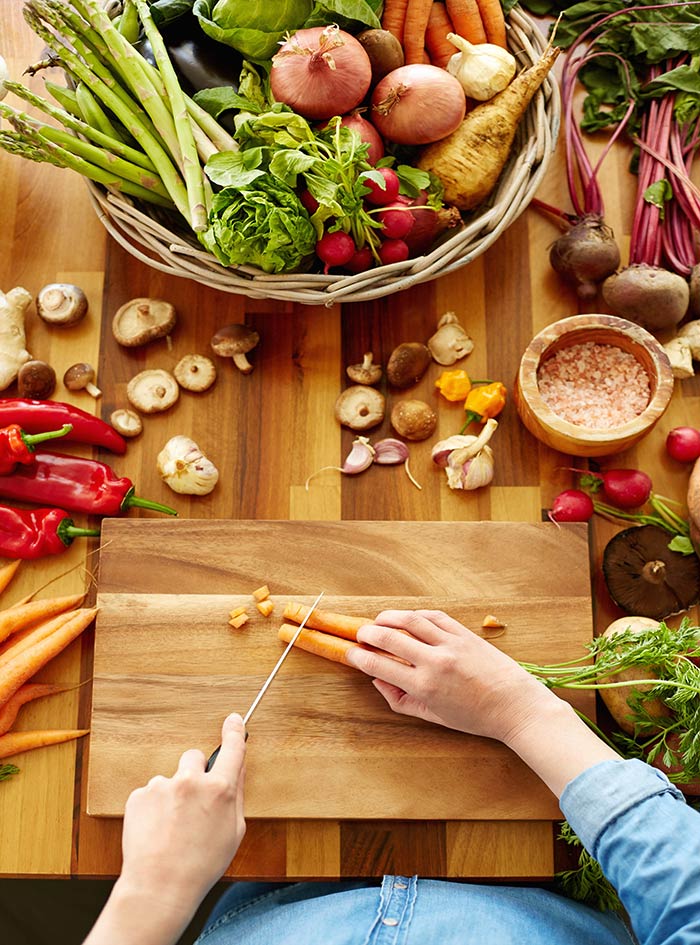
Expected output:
(125, 124)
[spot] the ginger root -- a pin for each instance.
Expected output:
(13, 354)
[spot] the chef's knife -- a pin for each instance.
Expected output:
(266, 684)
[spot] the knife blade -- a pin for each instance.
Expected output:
(265, 686)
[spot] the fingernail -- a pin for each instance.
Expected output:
(234, 719)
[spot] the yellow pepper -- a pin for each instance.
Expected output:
(454, 385)
(483, 403)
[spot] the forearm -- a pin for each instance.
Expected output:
(132, 916)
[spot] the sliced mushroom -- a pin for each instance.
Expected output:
(365, 373)
(152, 391)
(195, 372)
(450, 342)
(360, 407)
(142, 320)
(80, 377)
(645, 577)
(61, 303)
(414, 419)
(408, 362)
(126, 422)
(235, 341)
(36, 380)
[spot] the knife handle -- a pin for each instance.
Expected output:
(215, 754)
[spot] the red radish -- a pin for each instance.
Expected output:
(393, 251)
(380, 196)
(335, 249)
(428, 223)
(367, 132)
(572, 505)
(361, 260)
(626, 488)
(308, 201)
(683, 444)
(397, 221)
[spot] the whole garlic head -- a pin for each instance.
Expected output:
(184, 467)
(467, 460)
(482, 69)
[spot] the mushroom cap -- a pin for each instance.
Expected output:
(366, 372)
(450, 342)
(36, 380)
(79, 376)
(142, 320)
(414, 419)
(152, 391)
(408, 362)
(234, 339)
(127, 422)
(61, 303)
(195, 372)
(645, 577)
(360, 407)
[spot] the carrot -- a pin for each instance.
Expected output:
(340, 625)
(23, 666)
(470, 160)
(466, 20)
(415, 26)
(13, 743)
(494, 22)
(21, 641)
(315, 641)
(7, 572)
(440, 49)
(394, 17)
(22, 615)
(26, 693)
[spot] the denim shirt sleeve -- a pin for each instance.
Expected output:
(647, 841)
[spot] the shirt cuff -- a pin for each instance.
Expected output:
(606, 791)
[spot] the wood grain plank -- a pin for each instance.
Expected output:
(522, 849)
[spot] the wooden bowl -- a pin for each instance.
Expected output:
(574, 439)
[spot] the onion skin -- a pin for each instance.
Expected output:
(585, 255)
(368, 133)
(405, 104)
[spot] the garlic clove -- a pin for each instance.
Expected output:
(390, 451)
(360, 457)
(477, 472)
(184, 467)
(441, 451)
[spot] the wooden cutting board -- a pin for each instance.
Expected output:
(323, 743)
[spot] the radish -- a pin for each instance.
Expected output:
(683, 444)
(361, 260)
(309, 202)
(626, 488)
(392, 251)
(572, 505)
(428, 223)
(381, 196)
(397, 221)
(335, 249)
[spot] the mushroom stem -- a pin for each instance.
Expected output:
(242, 363)
(654, 572)
(93, 390)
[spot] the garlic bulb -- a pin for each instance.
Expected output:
(184, 467)
(467, 460)
(482, 69)
(4, 74)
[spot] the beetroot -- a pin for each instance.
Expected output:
(652, 297)
(585, 254)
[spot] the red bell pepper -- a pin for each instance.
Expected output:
(17, 446)
(37, 416)
(35, 533)
(80, 485)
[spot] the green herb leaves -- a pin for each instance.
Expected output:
(7, 771)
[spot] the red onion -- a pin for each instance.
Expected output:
(417, 104)
(321, 72)
(367, 132)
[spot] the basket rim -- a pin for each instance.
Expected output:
(145, 238)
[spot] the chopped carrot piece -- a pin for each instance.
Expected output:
(262, 593)
(237, 611)
(491, 621)
(237, 622)
(265, 607)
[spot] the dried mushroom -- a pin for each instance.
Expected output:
(365, 373)
(185, 468)
(235, 341)
(13, 352)
(152, 391)
(36, 380)
(414, 419)
(61, 303)
(360, 407)
(645, 577)
(690, 332)
(81, 376)
(450, 342)
(195, 372)
(681, 358)
(408, 362)
(142, 320)
(126, 422)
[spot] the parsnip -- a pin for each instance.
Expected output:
(471, 159)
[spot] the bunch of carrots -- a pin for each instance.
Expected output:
(422, 25)
(32, 632)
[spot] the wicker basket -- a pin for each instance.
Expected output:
(144, 231)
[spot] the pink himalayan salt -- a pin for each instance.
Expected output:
(594, 385)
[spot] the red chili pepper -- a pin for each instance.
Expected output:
(37, 416)
(17, 446)
(35, 533)
(80, 485)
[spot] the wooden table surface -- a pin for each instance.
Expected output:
(267, 432)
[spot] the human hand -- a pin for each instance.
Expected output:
(455, 678)
(181, 833)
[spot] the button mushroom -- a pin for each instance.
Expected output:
(80, 377)
(450, 342)
(36, 380)
(126, 422)
(235, 341)
(152, 391)
(142, 320)
(408, 362)
(413, 419)
(365, 373)
(195, 372)
(360, 407)
(61, 303)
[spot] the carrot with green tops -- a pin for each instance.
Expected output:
(394, 17)
(494, 22)
(13, 743)
(466, 20)
(25, 694)
(26, 638)
(23, 615)
(7, 572)
(440, 49)
(23, 666)
(416, 23)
